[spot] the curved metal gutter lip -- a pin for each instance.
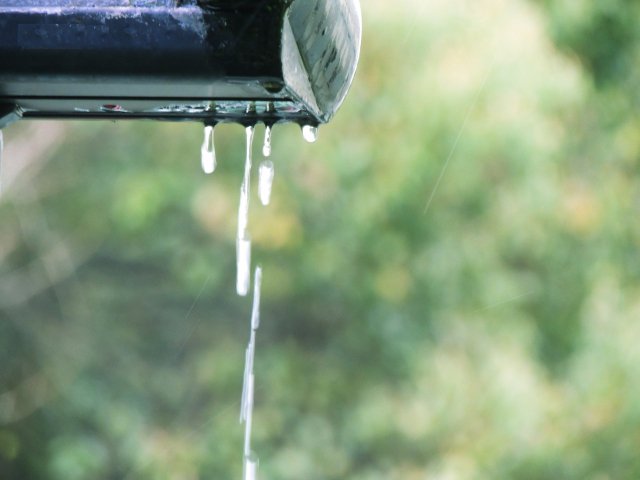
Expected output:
(158, 58)
(358, 13)
(320, 52)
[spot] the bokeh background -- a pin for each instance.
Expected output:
(451, 273)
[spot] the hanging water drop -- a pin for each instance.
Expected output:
(243, 243)
(208, 151)
(266, 147)
(266, 173)
(310, 133)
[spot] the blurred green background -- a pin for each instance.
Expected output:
(451, 274)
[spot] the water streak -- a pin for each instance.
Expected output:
(243, 265)
(246, 408)
(208, 151)
(266, 146)
(266, 173)
(243, 242)
(257, 287)
(245, 383)
(310, 133)
(248, 414)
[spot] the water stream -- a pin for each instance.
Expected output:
(266, 173)
(246, 406)
(243, 241)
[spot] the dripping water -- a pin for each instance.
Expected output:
(255, 311)
(243, 213)
(246, 407)
(243, 265)
(243, 241)
(266, 173)
(310, 133)
(266, 147)
(250, 467)
(208, 151)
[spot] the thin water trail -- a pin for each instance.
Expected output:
(194, 325)
(266, 172)
(250, 466)
(243, 241)
(445, 166)
(514, 299)
(208, 151)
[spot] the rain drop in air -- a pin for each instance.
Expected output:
(243, 265)
(1, 149)
(208, 151)
(266, 173)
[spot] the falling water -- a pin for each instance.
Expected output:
(255, 311)
(250, 467)
(266, 173)
(310, 133)
(243, 265)
(243, 242)
(266, 147)
(246, 407)
(208, 151)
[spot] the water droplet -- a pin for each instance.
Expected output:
(243, 264)
(266, 147)
(266, 173)
(250, 467)
(310, 133)
(208, 151)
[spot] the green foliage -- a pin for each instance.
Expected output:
(450, 273)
